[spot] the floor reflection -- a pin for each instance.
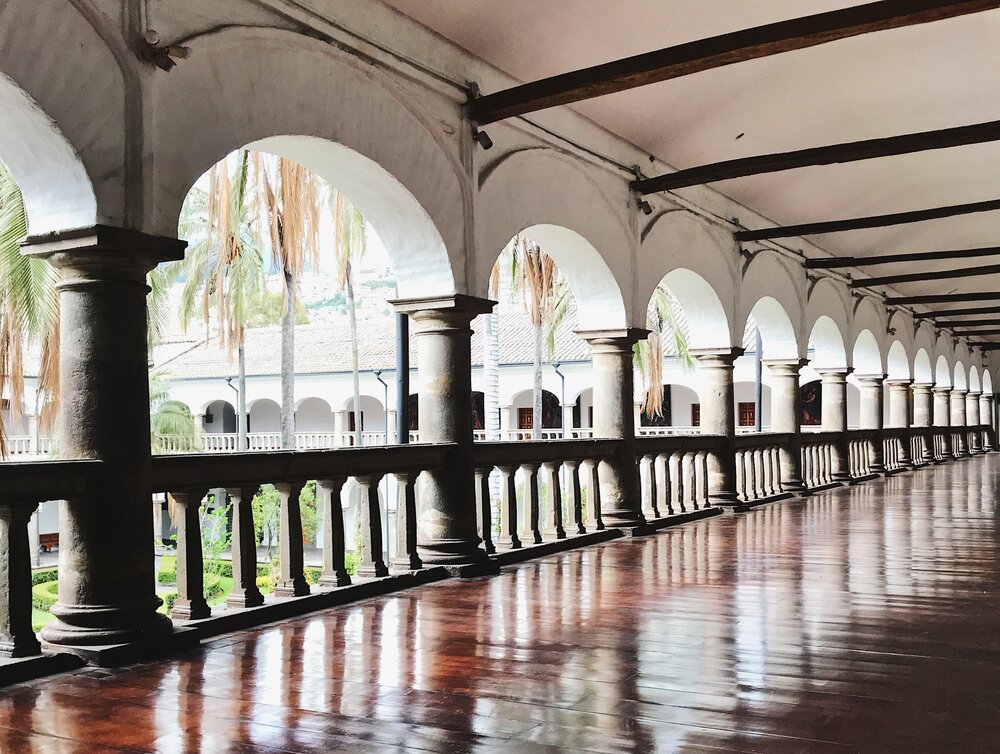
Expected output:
(864, 618)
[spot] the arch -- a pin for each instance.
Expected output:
(770, 294)
(680, 250)
(987, 382)
(827, 300)
(57, 191)
(922, 372)
(866, 356)
(777, 333)
(218, 417)
(544, 195)
(372, 413)
(313, 415)
(960, 380)
(708, 325)
(897, 362)
(942, 374)
(826, 345)
(975, 386)
(551, 410)
(326, 109)
(263, 415)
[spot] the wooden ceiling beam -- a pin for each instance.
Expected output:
(854, 151)
(992, 322)
(864, 223)
(829, 263)
(943, 298)
(971, 333)
(971, 311)
(714, 52)
(914, 277)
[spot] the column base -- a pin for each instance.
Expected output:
(293, 588)
(150, 647)
(725, 499)
(24, 646)
(795, 486)
(622, 519)
(451, 553)
(91, 625)
(190, 609)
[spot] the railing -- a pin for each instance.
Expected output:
(818, 450)
(859, 451)
(940, 437)
(758, 465)
(20, 446)
(893, 456)
(25, 485)
(673, 473)
(188, 478)
(541, 512)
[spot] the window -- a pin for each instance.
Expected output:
(350, 421)
(525, 418)
(695, 414)
(748, 414)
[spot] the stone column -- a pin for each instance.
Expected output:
(446, 517)
(614, 418)
(900, 416)
(958, 422)
(986, 419)
(923, 414)
(507, 421)
(718, 417)
(106, 563)
(567, 421)
(834, 419)
(786, 418)
(942, 415)
(340, 428)
(972, 420)
(872, 418)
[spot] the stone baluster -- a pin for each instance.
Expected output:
(647, 473)
(509, 519)
(972, 420)
(328, 500)
(595, 521)
(923, 415)
(575, 497)
(554, 528)
(530, 510)
(446, 520)
(661, 467)
(614, 418)
(872, 419)
(834, 419)
(371, 563)
(718, 417)
(190, 603)
(958, 422)
(942, 418)
(406, 557)
(17, 639)
(786, 418)
(986, 419)
(104, 381)
(484, 508)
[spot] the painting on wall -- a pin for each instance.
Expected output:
(812, 403)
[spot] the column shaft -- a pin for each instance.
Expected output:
(834, 419)
(942, 416)
(923, 414)
(786, 418)
(872, 418)
(718, 417)
(900, 416)
(958, 422)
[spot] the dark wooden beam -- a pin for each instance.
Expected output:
(943, 298)
(971, 333)
(863, 223)
(853, 151)
(971, 311)
(714, 52)
(991, 322)
(913, 277)
(829, 263)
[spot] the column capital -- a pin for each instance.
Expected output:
(974, 393)
(900, 383)
(618, 339)
(456, 309)
(959, 391)
(717, 357)
(941, 389)
(834, 374)
(922, 386)
(870, 379)
(787, 367)
(104, 252)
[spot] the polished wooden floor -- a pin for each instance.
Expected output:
(862, 619)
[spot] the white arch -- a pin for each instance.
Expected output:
(545, 195)
(58, 193)
(960, 380)
(975, 385)
(708, 326)
(826, 342)
(987, 382)
(777, 334)
(942, 374)
(922, 372)
(897, 363)
(774, 296)
(338, 116)
(867, 357)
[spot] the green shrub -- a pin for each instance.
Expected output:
(312, 574)
(43, 575)
(168, 601)
(265, 584)
(213, 586)
(44, 595)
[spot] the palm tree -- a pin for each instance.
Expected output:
(291, 198)
(546, 299)
(170, 422)
(29, 313)
(351, 243)
(491, 364)
(224, 269)
(663, 322)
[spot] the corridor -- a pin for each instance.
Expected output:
(860, 619)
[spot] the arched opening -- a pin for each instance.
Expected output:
(219, 418)
(867, 357)
(975, 386)
(959, 380)
(987, 382)
(942, 373)
(523, 412)
(371, 415)
(768, 335)
(923, 374)
(314, 415)
(265, 416)
(897, 363)
(583, 409)
(826, 345)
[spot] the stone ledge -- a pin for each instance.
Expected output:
(657, 524)
(510, 557)
(112, 655)
(823, 487)
(744, 507)
(24, 669)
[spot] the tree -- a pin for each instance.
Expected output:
(351, 243)
(224, 268)
(291, 198)
(29, 314)
(171, 424)
(663, 322)
(545, 295)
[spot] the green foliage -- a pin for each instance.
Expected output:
(268, 308)
(44, 595)
(267, 513)
(171, 423)
(44, 574)
(215, 537)
(379, 284)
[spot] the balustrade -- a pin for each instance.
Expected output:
(674, 473)
(818, 450)
(758, 465)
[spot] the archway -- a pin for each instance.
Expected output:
(219, 417)
(826, 345)
(942, 373)
(264, 416)
(867, 356)
(960, 380)
(897, 363)
(314, 415)
(922, 371)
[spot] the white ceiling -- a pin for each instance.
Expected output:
(913, 79)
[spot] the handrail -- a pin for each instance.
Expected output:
(33, 482)
(762, 439)
(196, 470)
(675, 443)
(526, 451)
